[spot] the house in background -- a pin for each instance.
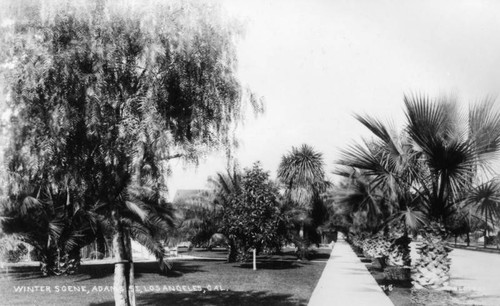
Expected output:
(185, 198)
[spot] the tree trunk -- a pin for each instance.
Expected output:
(468, 239)
(485, 233)
(120, 290)
(432, 267)
(131, 279)
(233, 252)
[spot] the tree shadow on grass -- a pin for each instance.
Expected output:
(141, 268)
(271, 265)
(250, 298)
(314, 255)
(103, 270)
(23, 277)
(178, 270)
(214, 250)
(321, 254)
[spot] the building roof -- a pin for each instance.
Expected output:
(189, 197)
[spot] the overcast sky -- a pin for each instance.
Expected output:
(318, 62)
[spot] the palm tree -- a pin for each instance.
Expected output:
(357, 195)
(200, 217)
(434, 161)
(382, 211)
(484, 200)
(228, 186)
(42, 220)
(302, 173)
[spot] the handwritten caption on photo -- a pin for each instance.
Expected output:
(100, 289)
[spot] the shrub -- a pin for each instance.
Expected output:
(12, 250)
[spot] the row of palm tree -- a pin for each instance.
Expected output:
(432, 170)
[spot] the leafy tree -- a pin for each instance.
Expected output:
(251, 219)
(104, 95)
(11, 249)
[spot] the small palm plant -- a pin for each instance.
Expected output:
(56, 234)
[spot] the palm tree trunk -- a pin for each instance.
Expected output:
(120, 290)
(484, 242)
(233, 252)
(485, 232)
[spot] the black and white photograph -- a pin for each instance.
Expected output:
(236, 152)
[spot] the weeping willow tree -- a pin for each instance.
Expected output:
(104, 95)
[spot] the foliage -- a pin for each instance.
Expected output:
(426, 170)
(302, 167)
(302, 174)
(252, 218)
(364, 204)
(11, 249)
(227, 186)
(55, 232)
(105, 94)
(484, 201)
(435, 159)
(200, 217)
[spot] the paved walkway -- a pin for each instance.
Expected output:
(346, 282)
(477, 275)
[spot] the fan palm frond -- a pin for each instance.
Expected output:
(485, 200)
(412, 219)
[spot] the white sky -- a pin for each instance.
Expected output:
(318, 62)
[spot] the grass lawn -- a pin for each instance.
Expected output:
(279, 280)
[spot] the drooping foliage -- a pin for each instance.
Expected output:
(104, 94)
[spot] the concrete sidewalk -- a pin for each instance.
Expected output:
(347, 282)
